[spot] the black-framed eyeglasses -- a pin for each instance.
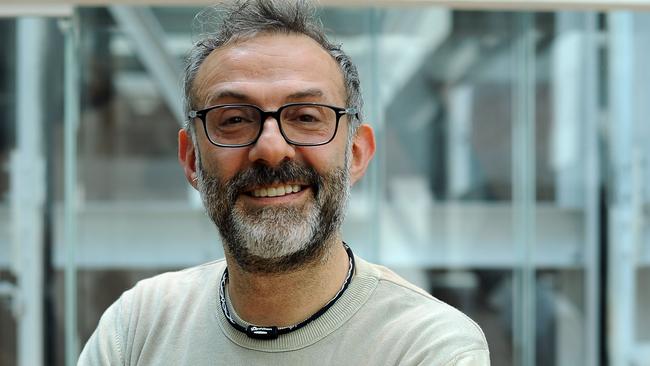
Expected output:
(301, 124)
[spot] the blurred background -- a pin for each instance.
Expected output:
(512, 178)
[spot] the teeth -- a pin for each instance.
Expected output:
(276, 191)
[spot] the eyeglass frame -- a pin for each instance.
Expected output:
(264, 115)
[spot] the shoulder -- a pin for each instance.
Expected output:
(178, 283)
(146, 309)
(434, 328)
(152, 301)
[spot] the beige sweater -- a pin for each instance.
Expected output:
(175, 319)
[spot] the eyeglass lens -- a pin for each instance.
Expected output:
(302, 124)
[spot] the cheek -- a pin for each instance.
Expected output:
(324, 158)
(223, 162)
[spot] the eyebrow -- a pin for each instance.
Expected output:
(228, 94)
(308, 93)
(231, 94)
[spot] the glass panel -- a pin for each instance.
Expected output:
(568, 206)
(450, 95)
(445, 201)
(357, 31)
(127, 136)
(629, 245)
(445, 164)
(446, 213)
(641, 317)
(444, 157)
(439, 203)
(128, 172)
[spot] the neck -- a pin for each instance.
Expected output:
(287, 298)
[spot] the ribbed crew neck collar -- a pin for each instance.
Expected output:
(361, 287)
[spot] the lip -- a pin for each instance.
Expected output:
(277, 200)
(250, 191)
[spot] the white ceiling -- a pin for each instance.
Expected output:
(57, 7)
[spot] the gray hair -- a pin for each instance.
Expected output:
(243, 19)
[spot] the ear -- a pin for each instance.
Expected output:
(363, 149)
(187, 156)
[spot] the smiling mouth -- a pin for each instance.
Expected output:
(276, 190)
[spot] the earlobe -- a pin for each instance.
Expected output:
(187, 156)
(363, 149)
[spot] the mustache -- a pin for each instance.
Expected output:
(261, 175)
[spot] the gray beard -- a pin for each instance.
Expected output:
(276, 239)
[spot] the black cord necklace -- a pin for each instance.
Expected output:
(272, 332)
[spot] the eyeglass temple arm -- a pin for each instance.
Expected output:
(353, 111)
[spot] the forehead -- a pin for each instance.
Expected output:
(269, 68)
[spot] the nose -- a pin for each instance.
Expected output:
(271, 148)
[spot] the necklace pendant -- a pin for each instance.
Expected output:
(262, 332)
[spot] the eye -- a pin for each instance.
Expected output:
(233, 120)
(306, 117)
(304, 114)
(232, 117)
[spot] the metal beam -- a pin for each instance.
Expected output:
(625, 212)
(72, 112)
(523, 186)
(143, 29)
(28, 189)
(575, 156)
(422, 236)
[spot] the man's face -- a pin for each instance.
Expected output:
(311, 184)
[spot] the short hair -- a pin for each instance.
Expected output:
(244, 19)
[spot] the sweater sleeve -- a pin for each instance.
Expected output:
(105, 346)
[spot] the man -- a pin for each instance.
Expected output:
(274, 144)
